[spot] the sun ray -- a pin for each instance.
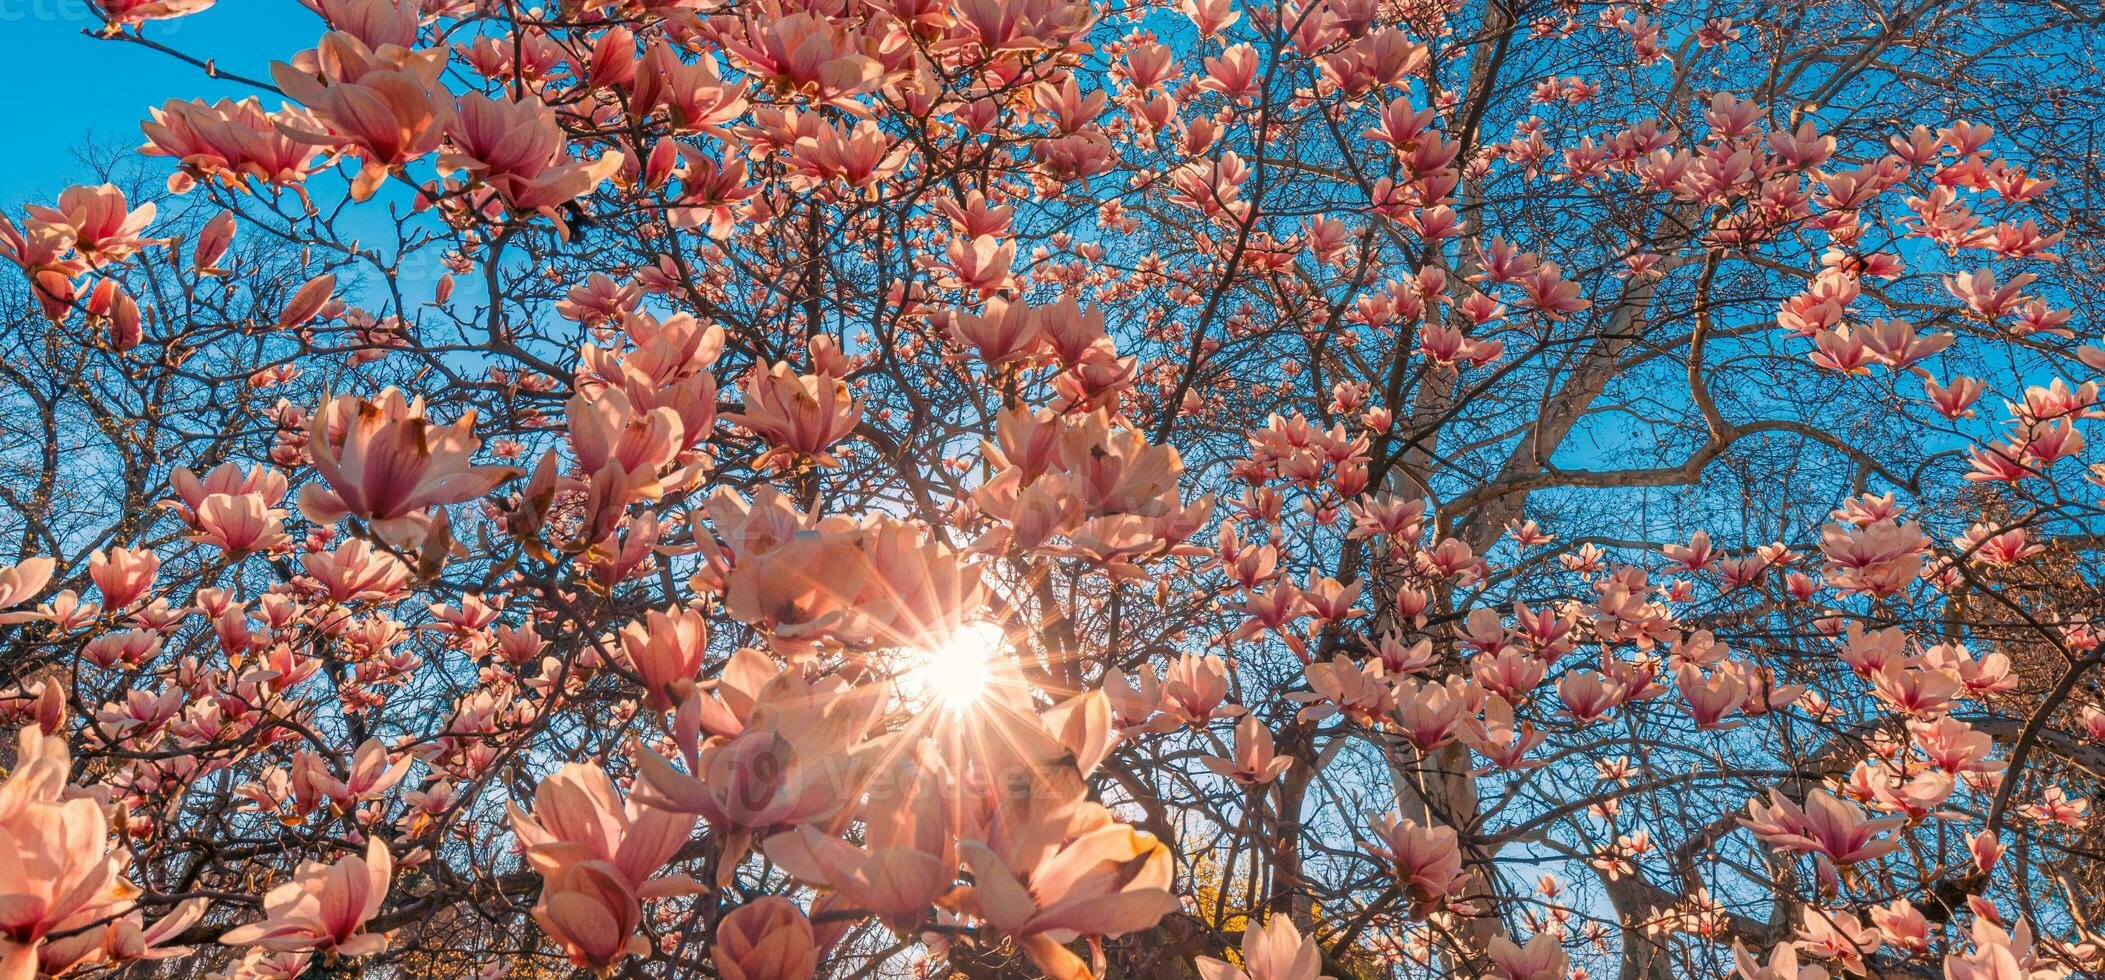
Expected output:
(955, 670)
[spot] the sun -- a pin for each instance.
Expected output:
(956, 670)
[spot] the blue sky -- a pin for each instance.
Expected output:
(104, 88)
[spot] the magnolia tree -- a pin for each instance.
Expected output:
(1001, 488)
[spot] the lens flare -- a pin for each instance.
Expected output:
(954, 672)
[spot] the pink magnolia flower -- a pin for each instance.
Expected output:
(516, 148)
(1783, 964)
(1510, 674)
(1008, 333)
(754, 781)
(355, 571)
(1193, 691)
(613, 59)
(800, 585)
(919, 592)
(132, 13)
(578, 817)
(859, 157)
(1839, 936)
(123, 574)
(1116, 470)
(1133, 701)
(721, 710)
(766, 939)
(1918, 692)
(1107, 881)
(1363, 693)
(1496, 736)
(608, 427)
(257, 963)
(234, 142)
(1426, 860)
(1428, 714)
(98, 222)
(44, 250)
(125, 939)
(1888, 789)
(224, 479)
(239, 524)
(1543, 958)
(1255, 763)
(592, 914)
(1902, 924)
(1588, 695)
(800, 416)
(805, 53)
(386, 105)
(315, 297)
(1825, 825)
(324, 907)
(908, 858)
(383, 462)
(666, 649)
(21, 582)
(1710, 700)
(2055, 806)
(2000, 954)
(802, 748)
(1275, 952)
(64, 610)
(57, 869)
(1695, 556)
(1880, 558)
(598, 300)
(375, 22)
(694, 93)
(369, 777)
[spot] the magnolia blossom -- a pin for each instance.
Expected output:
(800, 746)
(132, 13)
(800, 416)
(766, 939)
(876, 580)
(578, 817)
(239, 524)
(21, 581)
(324, 907)
(233, 142)
(2000, 954)
(383, 104)
(1783, 965)
(515, 148)
(1255, 763)
(908, 859)
(1007, 334)
(592, 914)
(1274, 952)
(384, 463)
(97, 222)
(226, 479)
(1107, 881)
(666, 650)
(1542, 958)
(598, 857)
(1825, 825)
(1427, 861)
(123, 574)
(370, 776)
(58, 870)
(1193, 691)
